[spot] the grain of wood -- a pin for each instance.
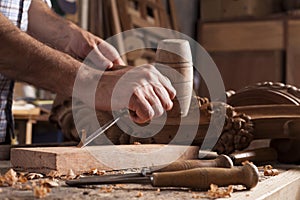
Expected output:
(62, 159)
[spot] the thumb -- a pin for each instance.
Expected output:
(98, 60)
(110, 52)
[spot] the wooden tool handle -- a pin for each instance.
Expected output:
(260, 155)
(221, 161)
(202, 178)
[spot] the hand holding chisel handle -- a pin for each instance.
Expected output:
(202, 178)
(222, 161)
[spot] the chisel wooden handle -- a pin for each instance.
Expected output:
(202, 178)
(221, 161)
(260, 155)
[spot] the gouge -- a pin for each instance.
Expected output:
(222, 161)
(198, 178)
(258, 156)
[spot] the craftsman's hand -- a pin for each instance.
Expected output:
(82, 44)
(69, 38)
(143, 90)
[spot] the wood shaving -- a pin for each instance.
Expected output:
(106, 189)
(158, 191)
(139, 194)
(267, 167)
(32, 176)
(101, 172)
(216, 192)
(41, 191)
(71, 175)
(10, 178)
(269, 171)
(54, 174)
(93, 171)
(22, 179)
(49, 183)
(136, 143)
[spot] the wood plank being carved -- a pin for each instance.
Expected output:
(62, 159)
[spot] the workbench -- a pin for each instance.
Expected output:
(283, 186)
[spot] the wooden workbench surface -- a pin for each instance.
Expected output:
(283, 186)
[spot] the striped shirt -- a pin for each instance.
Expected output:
(17, 12)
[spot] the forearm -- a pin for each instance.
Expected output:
(48, 27)
(24, 58)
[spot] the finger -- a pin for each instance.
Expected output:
(164, 81)
(110, 52)
(168, 86)
(142, 109)
(99, 60)
(154, 101)
(162, 94)
(119, 61)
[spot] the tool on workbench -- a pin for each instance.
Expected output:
(102, 129)
(257, 156)
(221, 161)
(198, 178)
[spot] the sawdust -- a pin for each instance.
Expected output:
(269, 171)
(107, 189)
(139, 194)
(10, 178)
(41, 191)
(28, 181)
(216, 192)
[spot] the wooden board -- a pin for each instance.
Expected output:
(235, 36)
(62, 159)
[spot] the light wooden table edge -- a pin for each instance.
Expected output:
(284, 186)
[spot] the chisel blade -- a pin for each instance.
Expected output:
(104, 128)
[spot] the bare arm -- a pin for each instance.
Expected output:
(26, 59)
(23, 58)
(65, 36)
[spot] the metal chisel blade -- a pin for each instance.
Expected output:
(109, 180)
(102, 129)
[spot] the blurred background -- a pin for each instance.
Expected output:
(250, 41)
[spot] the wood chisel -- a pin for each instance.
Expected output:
(198, 178)
(102, 129)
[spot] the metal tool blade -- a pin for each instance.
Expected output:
(102, 180)
(102, 129)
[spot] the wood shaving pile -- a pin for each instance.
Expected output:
(10, 178)
(269, 171)
(28, 181)
(216, 192)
